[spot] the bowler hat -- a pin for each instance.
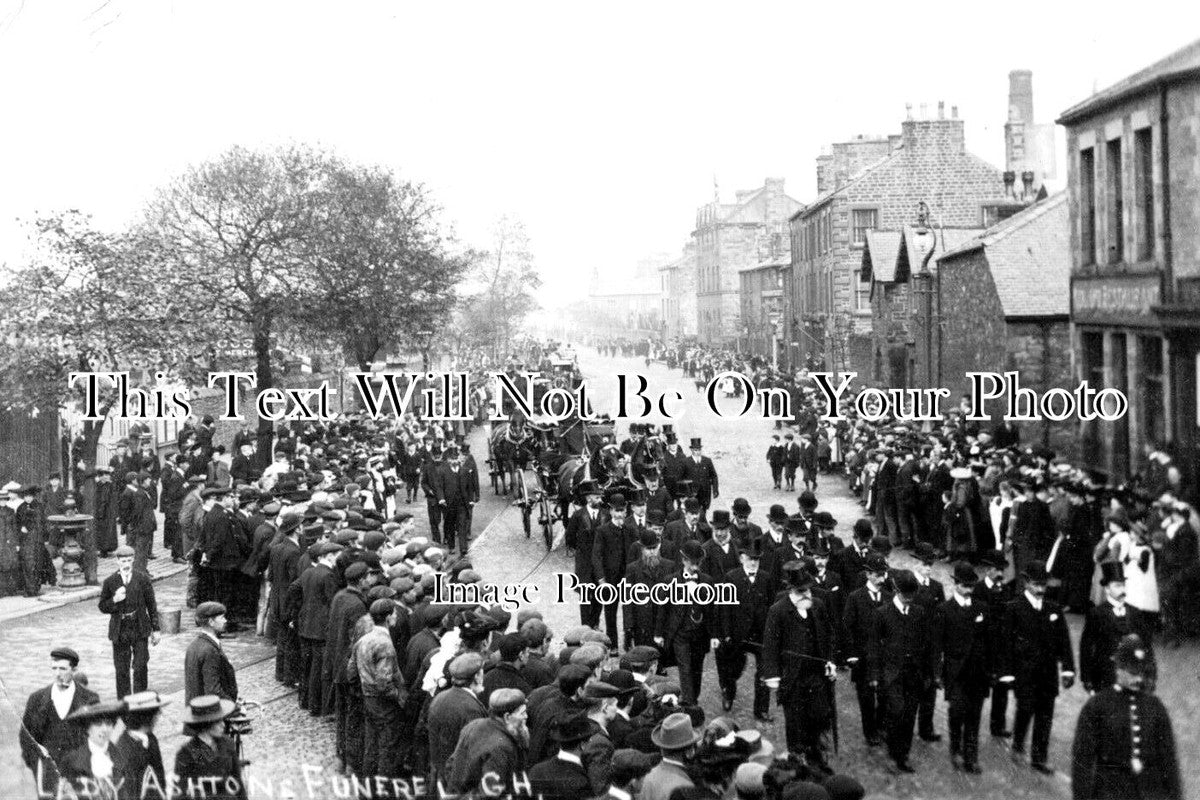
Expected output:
(823, 519)
(994, 558)
(573, 729)
(675, 733)
(964, 574)
(807, 500)
(905, 583)
(796, 576)
(875, 563)
(656, 518)
(925, 553)
(777, 513)
(752, 548)
(692, 550)
(795, 526)
(741, 507)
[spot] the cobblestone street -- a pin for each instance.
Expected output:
(285, 738)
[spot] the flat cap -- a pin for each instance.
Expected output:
(505, 701)
(65, 654)
(208, 610)
(466, 666)
(124, 551)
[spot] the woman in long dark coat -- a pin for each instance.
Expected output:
(106, 512)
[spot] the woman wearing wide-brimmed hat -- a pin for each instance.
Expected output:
(96, 764)
(137, 747)
(207, 765)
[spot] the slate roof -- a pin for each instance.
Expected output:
(1184, 60)
(1029, 257)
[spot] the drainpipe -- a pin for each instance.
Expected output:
(1165, 162)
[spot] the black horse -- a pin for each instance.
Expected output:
(512, 447)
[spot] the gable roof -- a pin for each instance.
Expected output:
(880, 254)
(1184, 61)
(911, 256)
(1029, 258)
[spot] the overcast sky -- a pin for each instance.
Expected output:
(600, 125)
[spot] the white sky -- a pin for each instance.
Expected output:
(600, 125)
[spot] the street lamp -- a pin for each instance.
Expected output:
(925, 242)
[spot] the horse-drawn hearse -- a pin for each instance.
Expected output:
(541, 463)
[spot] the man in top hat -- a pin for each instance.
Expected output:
(673, 466)
(742, 628)
(658, 497)
(686, 631)
(901, 663)
(647, 569)
(930, 596)
(580, 536)
(170, 501)
(141, 522)
(1124, 742)
(206, 668)
(963, 642)
(283, 568)
(430, 470)
(776, 458)
(691, 528)
(720, 551)
(219, 545)
(676, 740)
(610, 554)
(127, 596)
(138, 752)
(209, 758)
(46, 735)
(699, 469)
(456, 491)
(1104, 627)
(821, 527)
(995, 593)
(857, 624)
(850, 563)
(798, 662)
(564, 775)
(793, 549)
(635, 520)
(1037, 659)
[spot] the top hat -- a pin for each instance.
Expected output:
(720, 519)
(1111, 571)
(695, 445)
(675, 732)
(1035, 572)
(588, 487)
(993, 558)
(925, 553)
(752, 548)
(797, 576)
(207, 708)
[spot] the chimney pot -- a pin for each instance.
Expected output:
(924, 111)
(908, 110)
(941, 109)
(953, 112)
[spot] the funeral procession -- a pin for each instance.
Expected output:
(412, 401)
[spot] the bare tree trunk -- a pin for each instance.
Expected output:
(266, 379)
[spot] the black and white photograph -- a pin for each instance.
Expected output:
(646, 401)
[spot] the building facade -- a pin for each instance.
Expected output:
(927, 163)
(1134, 186)
(729, 238)
(677, 284)
(762, 292)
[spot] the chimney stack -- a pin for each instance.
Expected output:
(908, 110)
(941, 109)
(1020, 96)
(953, 112)
(1010, 181)
(924, 111)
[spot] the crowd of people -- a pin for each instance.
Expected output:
(319, 554)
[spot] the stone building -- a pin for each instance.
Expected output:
(762, 288)
(1003, 303)
(928, 162)
(903, 299)
(728, 238)
(677, 283)
(1133, 158)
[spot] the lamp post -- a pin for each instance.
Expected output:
(926, 243)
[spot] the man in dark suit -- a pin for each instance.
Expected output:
(776, 457)
(283, 567)
(610, 555)
(850, 563)
(791, 461)
(456, 495)
(46, 735)
(793, 549)
(563, 776)
(808, 461)
(901, 663)
(720, 551)
(1103, 628)
(221, 553)
(994, 593)
(127, 596)
(206, 669)
(797, 660)
(962, 639)
(827, 584)
(930, 596)
(699, 469)
(430, 467)
(580, 536)
(743, 530)
(317, 586)
(142, 522)
(673, 466)
(452, 708)
(170, 500)
(648, 569)
(691, 528)
(742, 629)
(908, 499)
(687, 630)
(1038, 659)
(858, 614)
(1033, 530)
(657, 496)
